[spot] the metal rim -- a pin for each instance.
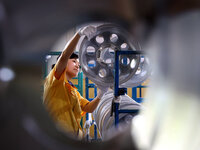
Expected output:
(97, 55)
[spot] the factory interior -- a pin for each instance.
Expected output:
(144, 53)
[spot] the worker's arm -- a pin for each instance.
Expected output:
(61, 64)
(91, 106)
(65, 55)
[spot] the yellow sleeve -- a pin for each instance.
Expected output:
(83, 102)
(50, 82)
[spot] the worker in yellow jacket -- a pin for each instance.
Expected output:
(61, 97)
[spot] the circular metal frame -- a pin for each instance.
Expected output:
(97, 55)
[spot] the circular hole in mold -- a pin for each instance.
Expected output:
(133, 63)
(99, 39)
(125, 61)
(102, 73)
(90, 50)
(92, 64)
(111, 51)
(124, 46)
(113, 38)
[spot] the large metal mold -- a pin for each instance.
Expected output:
(97, 55)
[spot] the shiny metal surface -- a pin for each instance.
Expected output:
(102, 115)
(97, 55)
(143, 72)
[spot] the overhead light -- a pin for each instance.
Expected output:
(6, 74)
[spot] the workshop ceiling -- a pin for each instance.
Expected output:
(34, 26)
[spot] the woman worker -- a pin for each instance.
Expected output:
(61, 97)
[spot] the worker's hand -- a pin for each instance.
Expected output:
(101, 91)
(88, 31)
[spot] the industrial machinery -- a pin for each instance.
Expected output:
(98, 61)
(169, 30)
(97, 57)
(105, 121)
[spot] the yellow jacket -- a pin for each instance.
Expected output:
(64, 103)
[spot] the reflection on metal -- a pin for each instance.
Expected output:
(102, 114)
(97, 55)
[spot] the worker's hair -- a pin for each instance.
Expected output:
(73, 55)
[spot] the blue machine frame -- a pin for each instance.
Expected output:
(121, 91)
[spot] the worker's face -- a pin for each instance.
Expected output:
(73, 67)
